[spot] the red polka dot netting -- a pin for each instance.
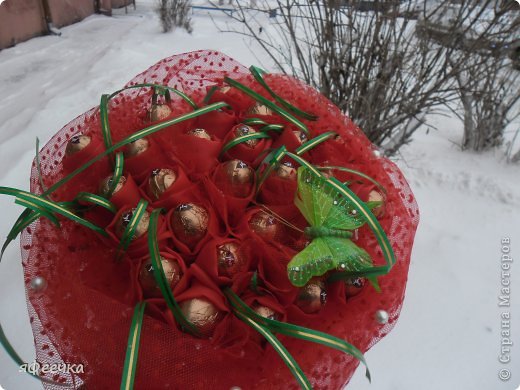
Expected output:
(84, 314)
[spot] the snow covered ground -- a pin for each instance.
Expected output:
(448, 335)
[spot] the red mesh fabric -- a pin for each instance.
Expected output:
(84, 314)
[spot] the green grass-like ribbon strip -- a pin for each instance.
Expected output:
(258, 75)
(25, 219)
(50, 206)
(314, 142)
(273, 127)
(243, 138)
(210, 93)
(160, 277)
(254, 121)
(354, 172)
(161, 91)
(297, 331)
(280, 111)
(279, 348)
(159, 87)
(132, 351)
(254, 283)
(105, 125)
(129, 232)
(304, 163)
(275, 160)
(96, 200)
(38, 209)
(119, 165)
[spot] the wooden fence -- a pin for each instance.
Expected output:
(23, 19)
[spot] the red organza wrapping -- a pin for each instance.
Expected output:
(84, 314)
(217, 123)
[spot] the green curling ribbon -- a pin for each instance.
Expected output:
(38, 209)
(51, 207)
(314, 142)
(119, 165)
(279, 348)
(105, 125)
(132, 350)
(276, 157)
(243, 138)
(254, 282)
(210, 93)
(273, 127)
(161, 91)
(25, 220)
(160, 277)
(185, 97)
(258, 75)
(304, 163)
(295, 330)
(129, 232)
(354, 172)
(280, 111)
(254, 121)
(96, 200)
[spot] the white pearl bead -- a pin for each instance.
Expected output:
(382, 316)
(377, 153)
(38, 283)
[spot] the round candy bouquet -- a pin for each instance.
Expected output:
(212, 226)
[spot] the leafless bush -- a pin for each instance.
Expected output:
(174, 13)
(488, 83)
(385, 71)
(489, 96)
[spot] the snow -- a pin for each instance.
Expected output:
(448, 335)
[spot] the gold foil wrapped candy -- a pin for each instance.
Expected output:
(190, 223)
(300, 135)
(151, 289)
(376, 196)
(242, 130)
(200, 133)
(201, 313)
(312, 296)
(158, 112)
(107, 183)
(137, 147)
(230, 259)
(259, 109)
(239, 177)
(124, 220)
(160, 180)
(287, 171)
(265, 312)
(264, 224)
(77, 143)
(354, 286)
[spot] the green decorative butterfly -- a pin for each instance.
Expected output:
(332, 218)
